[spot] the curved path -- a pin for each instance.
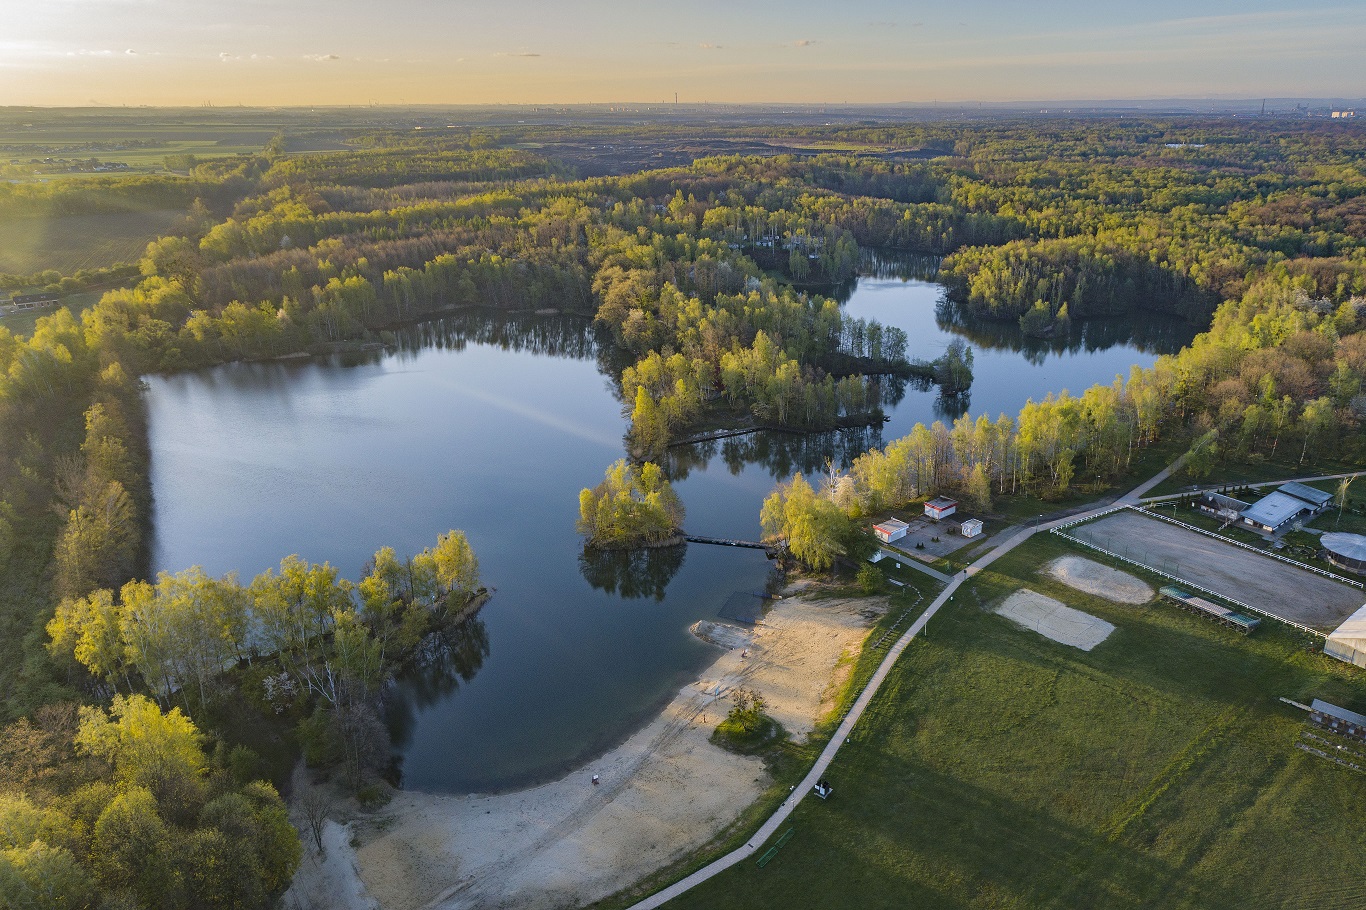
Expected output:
(846, 727)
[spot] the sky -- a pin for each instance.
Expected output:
(323, 52)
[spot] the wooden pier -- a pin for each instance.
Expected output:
(728, 542)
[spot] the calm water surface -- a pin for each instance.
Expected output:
(493, 428)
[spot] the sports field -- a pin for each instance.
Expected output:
(1259, 581)
(997, 769)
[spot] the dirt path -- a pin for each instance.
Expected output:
(663, 793)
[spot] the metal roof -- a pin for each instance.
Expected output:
(1348, 546)
(1331, 710)
(941, 502)
(1353, 629)
(1275, 509)
(1308, 494)
(891, 524)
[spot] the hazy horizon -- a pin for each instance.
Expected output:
(257, 53)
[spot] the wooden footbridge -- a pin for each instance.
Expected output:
(729, 542)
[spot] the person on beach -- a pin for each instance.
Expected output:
(595, 780)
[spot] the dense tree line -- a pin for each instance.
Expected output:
(126, 808)
(1278, 376)
(331, 641)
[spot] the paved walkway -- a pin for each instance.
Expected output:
(779, 817)
(910, 562)
(1260, 483)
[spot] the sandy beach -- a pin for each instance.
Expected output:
(664, 792)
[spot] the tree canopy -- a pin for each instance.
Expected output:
(633, 506)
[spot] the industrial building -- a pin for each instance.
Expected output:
(1292, 503)
(1346, 551)
(1348, 641)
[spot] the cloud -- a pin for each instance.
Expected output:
(803, 42)
(516, 54)
(130, 52)
(321, 58)
(708, 46)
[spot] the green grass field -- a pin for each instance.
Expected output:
(997, 769)
(141, 145)
(70, 242)
(22, 323)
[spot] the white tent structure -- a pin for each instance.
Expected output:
(1348, 641)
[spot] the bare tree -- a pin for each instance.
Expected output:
(316, 805)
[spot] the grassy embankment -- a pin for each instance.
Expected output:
(997, 769)
(788, 761)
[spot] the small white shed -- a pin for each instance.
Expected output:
(890, 530)
(972, 527)
(940, 507)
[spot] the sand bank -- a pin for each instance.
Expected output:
(665, 792)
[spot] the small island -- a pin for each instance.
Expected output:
(632, 507)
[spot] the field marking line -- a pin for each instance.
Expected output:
(846, 727)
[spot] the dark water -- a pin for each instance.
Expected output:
(493, 426)
(1009, 368)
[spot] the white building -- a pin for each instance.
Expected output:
(890, 530)
(942, 507)
(1348, 641)
(972, 527)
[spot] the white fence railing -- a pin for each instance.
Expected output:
(1190, 584)
(1258, 550)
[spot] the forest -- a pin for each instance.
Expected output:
(710, 288)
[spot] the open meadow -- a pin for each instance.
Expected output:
(69, 243)
(998, 769)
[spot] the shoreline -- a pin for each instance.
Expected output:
(662, 793)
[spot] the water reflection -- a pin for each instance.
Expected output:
(948, 407)
(779, 454)
(888, 264)
(554, 335)
(632, 574)
(1152, 333)
(445, 659)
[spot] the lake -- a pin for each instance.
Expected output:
(492, 425)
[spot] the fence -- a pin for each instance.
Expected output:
(1190, 584)
(1258, 550)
